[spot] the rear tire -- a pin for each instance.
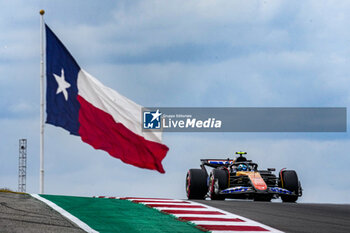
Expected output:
(290, 181)
(217, 182)
(196, 184)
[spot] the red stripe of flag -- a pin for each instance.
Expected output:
(191, 212)
(232, 228)
(211, 219)
(119, 141)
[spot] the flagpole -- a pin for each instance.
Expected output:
(42, 12)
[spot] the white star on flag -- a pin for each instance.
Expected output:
(156, 115)
(62, 85)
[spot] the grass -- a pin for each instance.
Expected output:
(7, 190)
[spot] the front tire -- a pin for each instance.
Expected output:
(196, 184)
(289, 180)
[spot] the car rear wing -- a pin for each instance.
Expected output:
(217, 162)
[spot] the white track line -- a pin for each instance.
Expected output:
(64, 213)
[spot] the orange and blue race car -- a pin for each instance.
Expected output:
(241, 179)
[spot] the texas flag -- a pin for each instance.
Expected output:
(103, 118)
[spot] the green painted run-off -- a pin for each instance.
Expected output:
(114, 215)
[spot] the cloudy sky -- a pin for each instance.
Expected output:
(181, 54)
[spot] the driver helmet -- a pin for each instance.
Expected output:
(242, 167)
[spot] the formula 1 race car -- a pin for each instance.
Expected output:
(241, 179)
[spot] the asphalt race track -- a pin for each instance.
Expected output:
(22, 213)
(291, 217)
